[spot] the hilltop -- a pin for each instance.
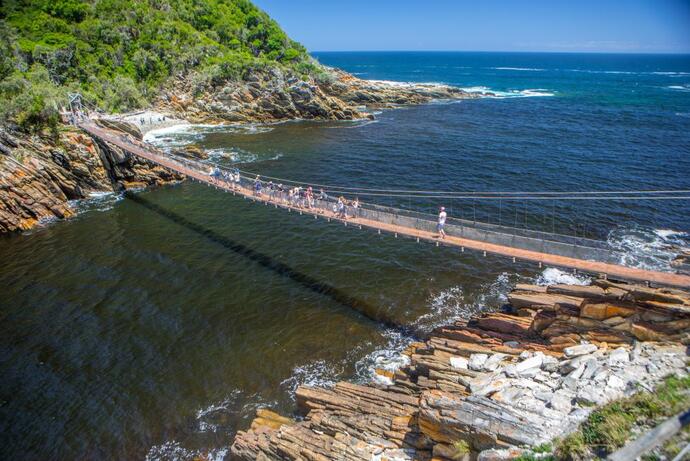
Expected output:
(119, 53)
(211, 61)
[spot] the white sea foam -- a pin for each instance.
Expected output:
(679, 87)
(527, 69)
(96, 201)
(318, 373)
(174, 451)
(497, 94)
(668, 233)
(647, 248)
(672, 74)
(444, 307)
(452, 303)
(404, 84)
(186, 133)
(161, 133)
(591, 71)
(389, 358)
(553, 276)
(209, 418)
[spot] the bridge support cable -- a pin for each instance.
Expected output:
(544, 248)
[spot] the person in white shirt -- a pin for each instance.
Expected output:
(441, 223)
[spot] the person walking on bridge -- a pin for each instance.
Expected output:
(355, 207)
(342, 207)
(257, 185)
(441, 223)
(237, 179)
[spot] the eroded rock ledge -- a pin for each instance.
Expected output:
(39, 175)
(501, 380)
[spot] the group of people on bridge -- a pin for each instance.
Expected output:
(304, 197)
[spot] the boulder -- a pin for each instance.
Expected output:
(459, 362)
(477, 361)
(493, 362)
(578, 350)
(602, 311)
(618, 356)
(562, 400)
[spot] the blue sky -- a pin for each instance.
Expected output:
(632, 26)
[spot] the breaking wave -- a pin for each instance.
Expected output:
(685, 88)
(186, 133)
(388, 358)
(553, 276)
(489, 93)
(648, 248)
(96, 201)
(318, 373)
(174, 451)
(526, 69)
(453, 303)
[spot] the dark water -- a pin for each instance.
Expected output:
(157, 325)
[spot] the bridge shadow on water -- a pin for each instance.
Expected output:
(365, 309)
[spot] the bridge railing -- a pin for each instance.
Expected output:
(526, 239)
(572, 247)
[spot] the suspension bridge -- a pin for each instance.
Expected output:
(543, 248)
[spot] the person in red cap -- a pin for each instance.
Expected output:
(441, 223)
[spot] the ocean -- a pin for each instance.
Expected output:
(128, 332)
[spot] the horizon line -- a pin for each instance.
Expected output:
(673, 53)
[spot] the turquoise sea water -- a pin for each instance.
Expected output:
(154, 327)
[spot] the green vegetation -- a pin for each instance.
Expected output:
(609, 427)
(118, 53)
(461, 448)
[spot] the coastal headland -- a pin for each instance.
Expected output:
(41, 174)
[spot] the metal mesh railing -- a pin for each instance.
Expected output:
(526, 239)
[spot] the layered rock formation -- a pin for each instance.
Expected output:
(502, 380)
(274, 95)
(39, 175)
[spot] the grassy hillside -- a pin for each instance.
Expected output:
(119, 52)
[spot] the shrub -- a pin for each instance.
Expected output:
(123, 51)
(609, 427)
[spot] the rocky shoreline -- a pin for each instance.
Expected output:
(493, 385)
(39, 176)
(275, 95)
(41, 173)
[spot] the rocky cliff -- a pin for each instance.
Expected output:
(276, 94)
(492, 384)
(39, 175)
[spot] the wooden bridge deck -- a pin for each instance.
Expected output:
(594, 267)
